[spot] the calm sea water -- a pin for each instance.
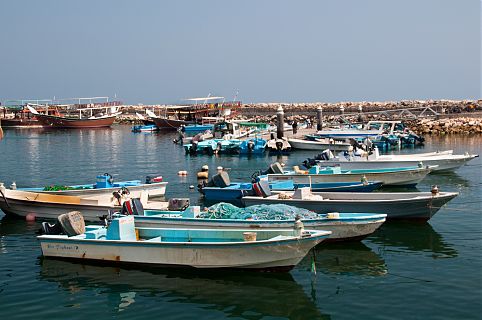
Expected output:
(403, 271)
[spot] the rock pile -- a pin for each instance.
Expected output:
(441, 106)
(447, 126)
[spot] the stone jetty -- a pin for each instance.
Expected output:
(455, 116)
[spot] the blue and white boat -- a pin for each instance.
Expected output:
(343, 226)
(400, 176)
(213, 146)
(253, 146)
(237, 190)
(145, 128)
(125, 242)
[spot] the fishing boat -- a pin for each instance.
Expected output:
(15, 113)
(343, 226)
(438, 162)
(396, 205)
(278, 146)
(213, 146)
(124, 242)
(91, 115)
(252, 146)
(173, 117)
(153, 187)
(220, 188)
(195, 132)
(147, 124)
(50, 206)
(319, 144)
(401, 176)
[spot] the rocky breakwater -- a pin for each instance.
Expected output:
(440, 106)
(463, 125)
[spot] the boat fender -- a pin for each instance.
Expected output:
(333, 215)
(72, 223)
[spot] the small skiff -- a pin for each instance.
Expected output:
(124, 242)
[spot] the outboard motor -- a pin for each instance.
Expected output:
(218, 147)
(71, 224)
(193, 148)
(250, 146)
(153, 178)
(221, 180)
(279, 144)
(132, 207)
(178, 204)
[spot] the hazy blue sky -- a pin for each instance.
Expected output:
(270, 50)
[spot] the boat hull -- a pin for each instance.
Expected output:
(347, 227)
(317, 146)
(438, 163)
(153, 190)
(69, 123)
(22, 203)
(246, 255)
(170, 124)
(391, 178)
(21, 123)
(421, 206)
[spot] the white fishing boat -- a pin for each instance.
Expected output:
(396, 205)
(319, 144)
(123, 242)
(49, 206)
(439, 162)
(344, 226)
(404, 176)
(105, 185)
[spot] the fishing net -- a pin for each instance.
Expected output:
(259, 212)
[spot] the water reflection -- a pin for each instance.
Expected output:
(351, 258)
(233, 293)
(408, 236)
(450, 178)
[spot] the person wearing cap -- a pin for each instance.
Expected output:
(219, 169)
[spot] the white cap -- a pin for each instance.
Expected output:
(205, 167)
(219, 168)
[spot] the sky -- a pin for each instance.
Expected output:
(152, 52)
